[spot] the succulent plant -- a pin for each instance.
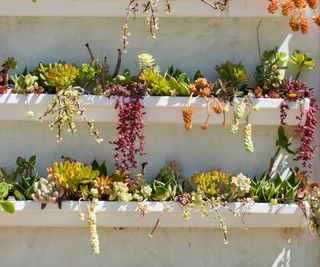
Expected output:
(58, 76)
(66, 106)
(76, 178)
(233, 74)
(92, 221)
(47, 190)
(301, 60)
(7, 205)
(157, 83)
(240, 185)
(130, 142)
(275, 191)
(120, 192)
(26, 84)
(145, 62)
(7, 64)
(267, 74)
(212, 182)
(165, 185)
(22, 178)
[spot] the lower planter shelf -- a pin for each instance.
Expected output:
(117, 214)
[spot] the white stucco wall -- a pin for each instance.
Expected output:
(53, 247)
(186, 43)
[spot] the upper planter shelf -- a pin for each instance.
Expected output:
(117, 214)
(158, 109)
(116, 8)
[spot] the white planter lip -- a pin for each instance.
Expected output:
(117, 214)
(159, 109)
(117, 8)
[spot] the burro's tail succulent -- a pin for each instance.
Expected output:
(47, 191)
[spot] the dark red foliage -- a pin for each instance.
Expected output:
(130, 125)
(305, 152)
(294, 90)
(3, 81)
(283, 112)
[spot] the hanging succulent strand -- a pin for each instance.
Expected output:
(305, 152)
(217, 5)
(238, 111)
(150, 9)
(92, 221)
(296, 11)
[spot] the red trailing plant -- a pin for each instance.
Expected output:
(293, 90)
(130, 125)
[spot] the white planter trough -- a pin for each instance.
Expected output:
(116, 214)
(117, 8)
(158, 109)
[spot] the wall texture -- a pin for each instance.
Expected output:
(185, 43)
(53, 247)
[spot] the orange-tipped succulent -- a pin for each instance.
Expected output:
(296, 10)
(201, 83)
(300, 4)
(287, 7)
(304, 25)
(273, 6)
(316, 19)
(206, 91)
(313, 4)
(217, 108)
(192, 88)
(187, 117)
(294, 24)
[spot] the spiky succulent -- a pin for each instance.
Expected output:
(165, 185)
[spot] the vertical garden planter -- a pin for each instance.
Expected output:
(277, 232)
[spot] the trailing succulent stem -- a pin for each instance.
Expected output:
(130, 126)
(92, 221)
(66, 106)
